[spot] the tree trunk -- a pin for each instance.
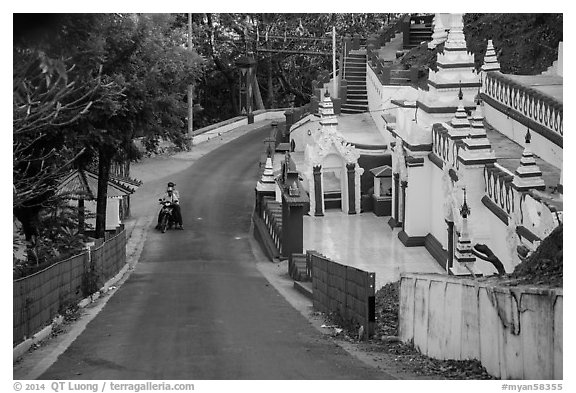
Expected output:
(29, 217)
(257, 96)
(81, 216)
(271, 103)
(104, 164)
(226, 71)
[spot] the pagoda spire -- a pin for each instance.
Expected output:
(528, 175)
(463, 257)
(490, 60)
(464, 246)
(440, 34)
(326, 109)
(268, 174)
(477, 121)
(456, 39)
(460, 120)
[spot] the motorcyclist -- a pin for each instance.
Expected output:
(173, 196)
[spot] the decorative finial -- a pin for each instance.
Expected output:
(465, 209)
(528, 136)
(460, 94)
(478, 99)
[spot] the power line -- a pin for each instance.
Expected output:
(295, 52)
(286, 37)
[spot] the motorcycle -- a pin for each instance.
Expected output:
(166, 215)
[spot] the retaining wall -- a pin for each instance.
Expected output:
(516, 332)
(38, 298)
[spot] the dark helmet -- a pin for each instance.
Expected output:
(170, 184)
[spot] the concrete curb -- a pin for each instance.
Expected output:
(216, 130)
(304, 289)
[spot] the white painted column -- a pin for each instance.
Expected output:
(344, 188)
(418, 202)
(357, 191)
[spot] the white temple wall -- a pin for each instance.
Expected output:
(516, 131)
(379, 97)
(498, 242)
(438, 227)
(418, 208)
(473, 178)
(560, 61)
(303, 135)
(428, 119)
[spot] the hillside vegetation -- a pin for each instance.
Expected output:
(526, 44)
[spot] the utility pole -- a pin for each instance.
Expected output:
(190, 90)
(334, 81)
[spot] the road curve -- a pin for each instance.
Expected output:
(196, 307)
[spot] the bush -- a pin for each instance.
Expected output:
(59, 239)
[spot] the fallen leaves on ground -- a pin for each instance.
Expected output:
(403, 356)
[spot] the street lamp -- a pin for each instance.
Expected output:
(246, 64)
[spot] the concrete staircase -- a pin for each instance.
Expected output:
(355, 76)
(297, 267)
(419, 32)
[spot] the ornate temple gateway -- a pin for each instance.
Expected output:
(331, 166)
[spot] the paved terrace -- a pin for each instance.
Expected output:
(366, 242)
(360, 129)
(361, 240)
(550, 85)
(508, 155)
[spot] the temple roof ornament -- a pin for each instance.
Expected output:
(268, 174)
(329, 139)
(326, 109)
(465, 209)
(460, 120)
(477, 147)
(528, 175)
(464, 259)
(456, 68)
(490, 60)
(464, 247)
(456, 39)
(477, 118)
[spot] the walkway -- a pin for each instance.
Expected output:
(366, 241)
(388, 52)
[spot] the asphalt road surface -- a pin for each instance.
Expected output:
(196, 307)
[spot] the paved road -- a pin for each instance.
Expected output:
(196, 307)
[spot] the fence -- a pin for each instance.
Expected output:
(545, 113)
(516, 332)
(38, 298)
(344, 290)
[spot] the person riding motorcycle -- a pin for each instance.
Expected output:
(173, 196)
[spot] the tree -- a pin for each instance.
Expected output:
(46, 101)
(526, 44)
(222, 38)
(147, 56)
(144, 69)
